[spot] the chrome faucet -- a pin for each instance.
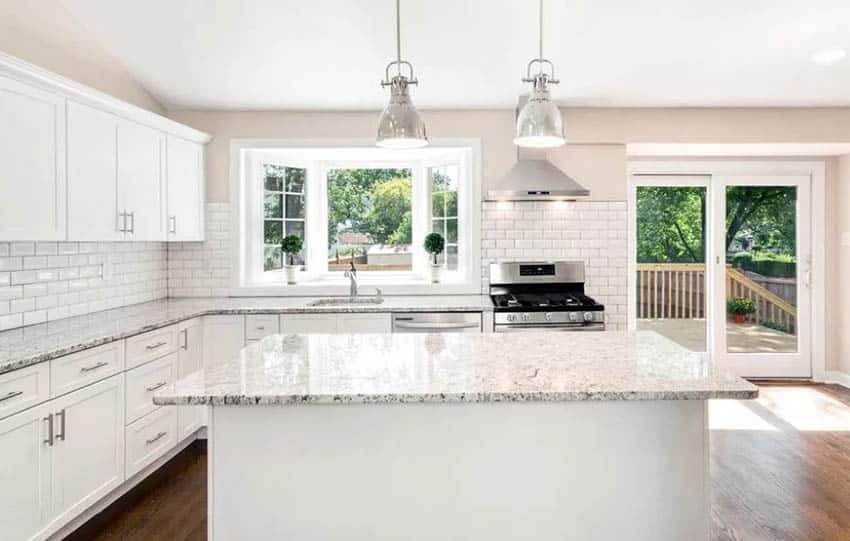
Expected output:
(351, 274)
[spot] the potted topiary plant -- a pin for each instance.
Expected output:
(434, 245)
(290, 246)
(740, 307)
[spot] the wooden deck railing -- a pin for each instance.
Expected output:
(677, 291)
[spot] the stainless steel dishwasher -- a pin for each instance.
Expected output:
(437, 322)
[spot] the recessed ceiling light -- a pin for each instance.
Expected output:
(828, 56)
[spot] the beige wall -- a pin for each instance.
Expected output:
(45, 34)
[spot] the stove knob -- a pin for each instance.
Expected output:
(573, 316)
(511, 317)
(588, 316)
(548, 316)
(526, 317)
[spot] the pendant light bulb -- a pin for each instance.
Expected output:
(400, 125)
(539, 123)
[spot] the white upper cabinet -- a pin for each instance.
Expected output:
(32, 163)
(140, 181)
(185, 179)
(92, 175)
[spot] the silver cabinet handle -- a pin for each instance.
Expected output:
(172, 224)
(159, 385)
(122, 222)
(155, 346)
(11, 395)
(61, 434)
(435, 326)
(185, 333)
(261, 328)
(101, 364)
(49, 440)
(132, 228)
(156, 438)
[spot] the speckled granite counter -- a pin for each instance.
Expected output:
(512, 367)
(38, 343)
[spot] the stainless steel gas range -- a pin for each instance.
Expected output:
(536, 296)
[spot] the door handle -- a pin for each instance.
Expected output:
(156, 386)
(9, 396)
(156, 438)
(132, 228)
(155, 346)
(49, 440)
(172, 224)
(122, 222)
(61, 434)
(101, 364)
(185, 333)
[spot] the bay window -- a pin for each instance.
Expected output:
(366, 207)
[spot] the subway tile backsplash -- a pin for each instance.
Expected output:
(46, 281)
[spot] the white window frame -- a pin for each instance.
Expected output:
(318, 157)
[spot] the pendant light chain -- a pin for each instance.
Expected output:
(398, 33)
(541, 30)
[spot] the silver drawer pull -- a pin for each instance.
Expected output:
(159, 385)
(156, 438)
(13, 394)
(101, 364)
(155, 346)
(261, 328)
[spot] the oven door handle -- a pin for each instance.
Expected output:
(543, 327)
(436, 326)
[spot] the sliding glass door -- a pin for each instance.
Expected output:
(722, 266)
(762, 270)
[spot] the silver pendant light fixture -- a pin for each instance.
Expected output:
(400, 125)
(539, 123)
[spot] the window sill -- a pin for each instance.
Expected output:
(366, 287)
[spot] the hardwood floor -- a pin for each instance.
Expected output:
(780, 470)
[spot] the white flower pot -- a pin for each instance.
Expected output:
(291, 274)
(435, 272)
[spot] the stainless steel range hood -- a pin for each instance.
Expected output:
(534, 178)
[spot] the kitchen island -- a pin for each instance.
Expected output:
(462, 436)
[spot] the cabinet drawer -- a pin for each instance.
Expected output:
(24, 388)
(149, 346)
(261, 325)
(143, 381)
(149, 438)
(79, 369)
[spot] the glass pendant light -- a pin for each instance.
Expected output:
(539, 123)
(400, 125)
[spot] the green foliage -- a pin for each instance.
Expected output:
(776, 326)
(670, 225)
(766, 263)
(352, 202)
(765, 212)
(434, 244)
(291, 245)
(740, 305)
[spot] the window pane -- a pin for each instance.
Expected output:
(444, 179)
(451, 203)
(295, 228)
(451, 231)
(295, 179)
(439, 226)
(438, 204)
(295, 206)
(272, 259)
(273, 232)
(274, 177)
(273, 207)
(451, 257)
(370, 219)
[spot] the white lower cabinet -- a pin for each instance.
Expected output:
(363, 323)
(143, 381)
(88, 446)
(149, 438)
(308, 323)
(224, 338)
(25, 500)
(191, 359)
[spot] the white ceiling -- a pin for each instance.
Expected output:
(330, 54)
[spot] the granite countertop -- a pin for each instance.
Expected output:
(492, 367)
(38, 343)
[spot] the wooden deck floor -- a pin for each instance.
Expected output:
(780, 470)
(740, 337)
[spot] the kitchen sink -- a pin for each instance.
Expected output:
(347, 301)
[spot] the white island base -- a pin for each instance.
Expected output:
(595, 470)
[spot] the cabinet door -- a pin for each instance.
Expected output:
(364, 323)
(24, 473)
(224, 338)
(88, 450)
(308, 323)
(185, 180)
(140, 182)
(190, 418)
(92, 175)
(32, 163)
